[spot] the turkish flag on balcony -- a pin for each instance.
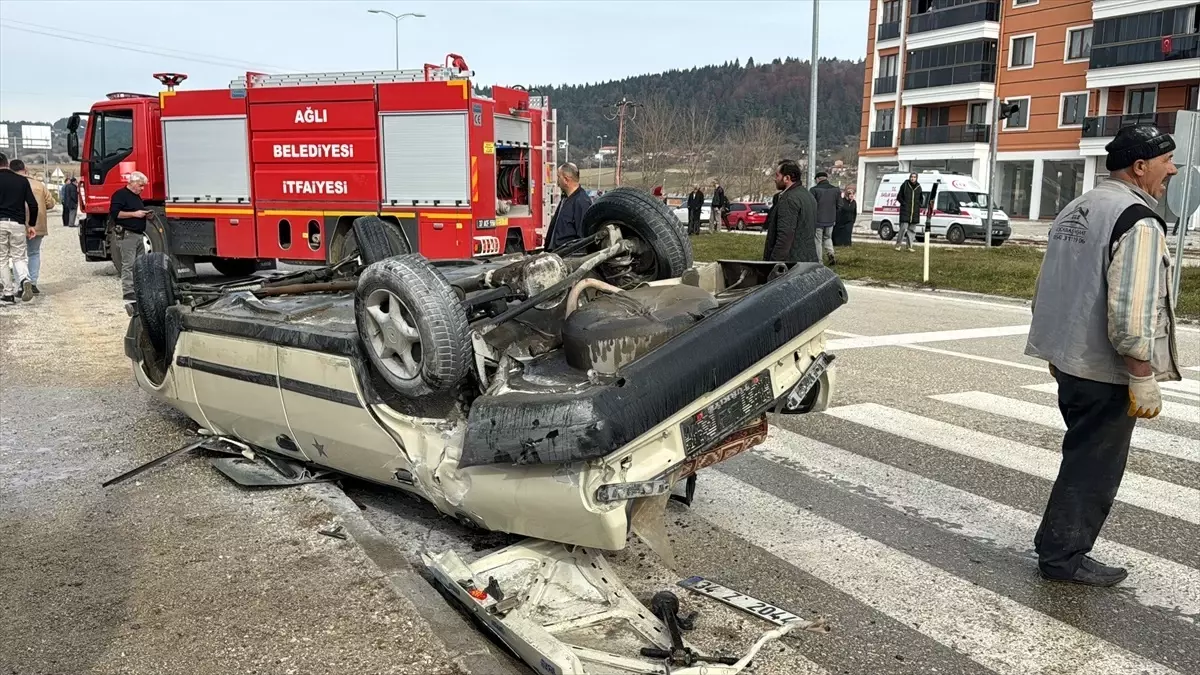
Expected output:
(1166, 45)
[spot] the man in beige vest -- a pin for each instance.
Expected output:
(45, 201)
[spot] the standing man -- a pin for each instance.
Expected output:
(70, 202)
(567, 223)
(829, 200)
(1103, 319)
(720, 207)
(129, 214)
(45, 200)
(695, 203)
(791, 223)
(17, 208)
(909, 195)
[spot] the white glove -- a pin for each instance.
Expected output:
(1145, 398)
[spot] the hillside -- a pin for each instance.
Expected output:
(729, 94)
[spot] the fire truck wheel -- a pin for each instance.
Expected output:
(154, 289)
(666, 253)
(235, 267)
(372, 238)
(412, 325)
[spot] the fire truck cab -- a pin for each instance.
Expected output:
(277, 167)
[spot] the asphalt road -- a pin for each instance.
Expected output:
(903, 515)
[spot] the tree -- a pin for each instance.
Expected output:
(749, 155)
(652, 137)
(697, 140)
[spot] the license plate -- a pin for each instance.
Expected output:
(763, 610)
(725, 415)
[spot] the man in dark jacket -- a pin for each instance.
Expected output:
(909, 196)
(70, 202)
(695, 202)
(829, 200)
(791, 223)
(566, 225)
(720, 207)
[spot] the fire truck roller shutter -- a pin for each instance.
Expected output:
(512, 131)
(207, 159)
(426, 161)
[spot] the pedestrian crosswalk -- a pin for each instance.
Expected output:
(1004, 619)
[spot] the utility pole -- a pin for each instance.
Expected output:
(1002, 112)
(622, 107)
(812, 96)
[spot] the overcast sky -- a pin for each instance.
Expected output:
(50, 67)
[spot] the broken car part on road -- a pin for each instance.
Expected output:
(559, 397)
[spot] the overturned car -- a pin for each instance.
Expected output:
(554, 395)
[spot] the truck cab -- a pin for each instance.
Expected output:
(121, 134)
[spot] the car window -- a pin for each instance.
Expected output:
(737, 207)
(760, 208)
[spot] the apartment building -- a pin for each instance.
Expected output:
(1078, 70)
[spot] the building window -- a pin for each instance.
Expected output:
(977, 113)
(884, 119)
(891, 12)
(1137, 38)
(1018, 3)
(1020, 53)
(1193, 97)
(1020, 118)
(1079, 43)
(1140, 101)
(933, 117)
(887, 65)
(1073, 109)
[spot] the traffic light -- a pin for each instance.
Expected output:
(1007, 110)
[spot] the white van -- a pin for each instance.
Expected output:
(960, 212)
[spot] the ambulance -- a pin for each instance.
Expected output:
(959, 214)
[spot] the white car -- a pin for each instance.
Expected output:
(681, 212)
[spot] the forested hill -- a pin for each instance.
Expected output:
(730, 94)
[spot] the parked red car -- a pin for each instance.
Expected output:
(746, 214)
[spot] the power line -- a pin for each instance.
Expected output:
(130, 48)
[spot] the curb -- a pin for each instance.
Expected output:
(472, 651)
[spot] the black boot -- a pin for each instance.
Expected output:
(1092, 573)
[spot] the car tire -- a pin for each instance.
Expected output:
(412, 326)
(154, 290)
(741, 224)
(997, 242)
(235, 267)
(641, 216)
(956, 235)
(886, 232)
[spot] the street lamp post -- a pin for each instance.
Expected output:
(396, 18)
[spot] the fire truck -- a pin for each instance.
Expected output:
(278, 167)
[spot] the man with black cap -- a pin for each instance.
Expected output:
(1103, 319)
(829, 200)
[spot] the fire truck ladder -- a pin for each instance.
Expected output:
(438, 74)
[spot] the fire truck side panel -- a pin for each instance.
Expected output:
(327, 147)
(318, 183)
(307, 94)
(200, 103)
(424, 96)
(206, 159)
(426, 161)
(445, 235)
(312, 117)
(482, 151)
(299, 230)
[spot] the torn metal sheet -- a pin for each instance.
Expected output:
(266, 471)
(563, 611)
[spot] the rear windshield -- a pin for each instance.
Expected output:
(760, 208)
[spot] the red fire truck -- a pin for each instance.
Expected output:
(277, 167)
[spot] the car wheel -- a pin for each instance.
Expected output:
(955, 234)
(886, 232)
(741, 224)
(412, 325)
(154, 290)
(997, 242)
(664, 252)
(235, 267)
(371, 238)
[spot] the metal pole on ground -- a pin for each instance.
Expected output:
(812, 96)
(927, 227)
(1189, 157)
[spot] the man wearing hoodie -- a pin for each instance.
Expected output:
(829, 199)
(909, 196)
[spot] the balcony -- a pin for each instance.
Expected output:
(988, 10)
(971, 73)
(880, 139)
(1107, 126)
(885, 85)
(965, 133)
(1140, 52)
(888, 31)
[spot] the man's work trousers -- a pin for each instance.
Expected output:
(1094, 451)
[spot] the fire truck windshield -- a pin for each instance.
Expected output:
(112, 135)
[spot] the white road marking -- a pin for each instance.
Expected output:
(1148, 493)
(1180, 395)
(926, 295)
(961, 355)
(1186, 386)
(987, 627)
(1155, 582)
(1196, 368)
(1046, 416)
(934, 336)
(1170, 409)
